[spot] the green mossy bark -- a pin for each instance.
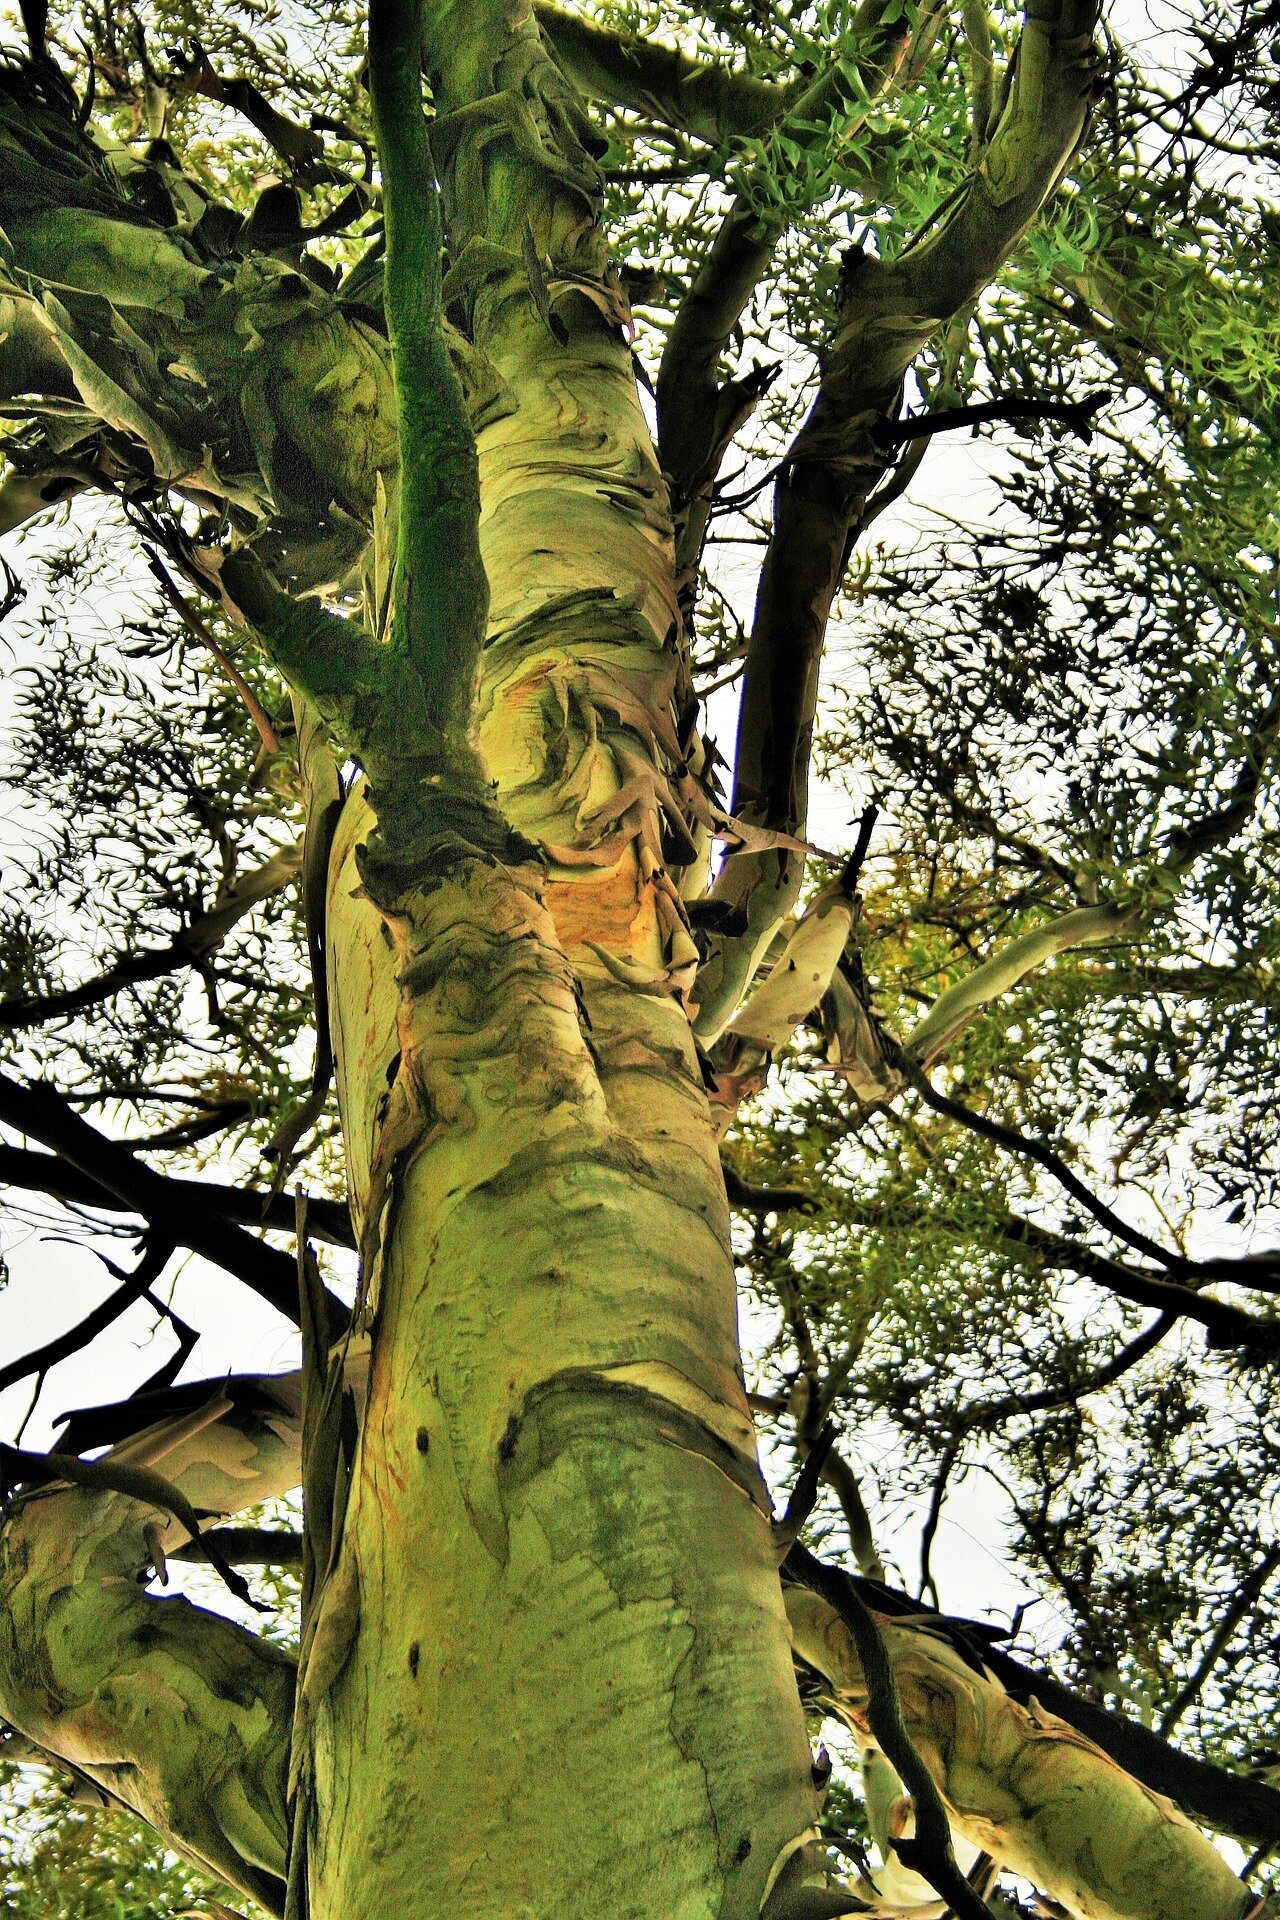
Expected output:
(174, 1711)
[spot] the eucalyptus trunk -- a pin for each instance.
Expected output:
(557, 1524)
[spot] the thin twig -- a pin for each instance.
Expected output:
(1226, 1325)
(929, 1531)
(1242, 1605)
(196, 626)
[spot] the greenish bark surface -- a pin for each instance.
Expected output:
(168, 1708)
(1022, 1785)
(556, 1518)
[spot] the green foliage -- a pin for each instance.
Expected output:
(146, 795)
(89, 1863)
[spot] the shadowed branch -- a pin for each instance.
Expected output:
(44, 1115)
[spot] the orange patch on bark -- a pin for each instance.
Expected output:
(609, 907)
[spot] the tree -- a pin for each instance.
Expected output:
(418, 599)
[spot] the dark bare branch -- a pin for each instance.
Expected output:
(246, 1547)
(1225, 1325)
(133, 1287)
(886, 313)
(984, 1414)
(43, 1115)
(201, 937)
(749, 1199)
(1076, 415)
(929, 1853)
(247, 1206)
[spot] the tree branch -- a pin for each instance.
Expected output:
(205, 933)
(952, 1011)
(1259, 1271)
(441, 593)
(697, 416)
(177, 1712)
(301, 148)
(749, 1199)
(199, 630)
(1226, 1325)
(1229, 1803)
(1077, 415)
(1243, 1603)
(713, 104)
(1021, 1143)
(246, 1547)
(929, 1853)
(843, 1481)
(246, 1206)
(20, 1471)
(984, 1414)
(134, 1286)
(44, 1115)
(887, 312)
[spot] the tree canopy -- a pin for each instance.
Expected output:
(957, 335)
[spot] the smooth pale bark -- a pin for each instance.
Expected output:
(1025, 1787)
(174, 1711)
(554, 1676)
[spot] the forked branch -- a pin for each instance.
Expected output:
(887, 312)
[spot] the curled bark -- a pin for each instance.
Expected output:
(713, 103)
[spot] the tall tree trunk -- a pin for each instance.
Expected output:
(550, 1670)
(567, 1684)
